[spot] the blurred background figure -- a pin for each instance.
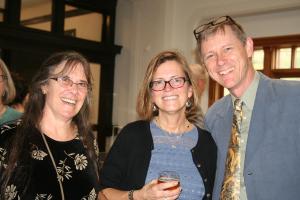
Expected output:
(200, 76)
(21, 98)
(7, 92)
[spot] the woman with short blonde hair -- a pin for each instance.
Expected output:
(8, 93)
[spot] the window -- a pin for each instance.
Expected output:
(258, 59)
(36, 14)
(283, 58)
(87, 24)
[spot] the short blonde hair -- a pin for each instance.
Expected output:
(9, 86)
(199, 72)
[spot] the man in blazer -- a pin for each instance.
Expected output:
(270, 129)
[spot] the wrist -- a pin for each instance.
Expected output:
(130, 195)
(136, 195)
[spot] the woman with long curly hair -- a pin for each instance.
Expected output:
(51, 153)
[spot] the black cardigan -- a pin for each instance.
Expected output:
(126, 165)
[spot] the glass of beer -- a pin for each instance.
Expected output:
(166, 176)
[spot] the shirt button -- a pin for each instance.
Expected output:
(208, 195)
(205, 180)
(198, 165)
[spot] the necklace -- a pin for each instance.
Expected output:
(174, 137)
(177, 131)
(55, 168)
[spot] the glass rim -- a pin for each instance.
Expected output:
(169, 174)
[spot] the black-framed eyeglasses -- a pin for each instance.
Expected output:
(66, 82)
(211, 24)
(3, 78)
(176, 82)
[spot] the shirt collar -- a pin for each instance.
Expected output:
(248, 97)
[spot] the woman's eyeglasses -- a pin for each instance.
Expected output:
(66, 82)
(159, 85)
(211, 24)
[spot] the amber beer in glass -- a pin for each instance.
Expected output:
(166, 176)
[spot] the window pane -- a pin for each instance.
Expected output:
(226, 91)
(36, 14)
(297, 58)
(83, 23)
(284, 58)
(258, 59)
(2, 6)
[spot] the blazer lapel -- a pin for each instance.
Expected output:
(264, 108)
(224, 121)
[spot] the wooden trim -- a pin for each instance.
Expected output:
(293, 57)
(102, 6)
(58, 15)
(211, 91)
(278, 73)
(267, 61)
(12, 12)
(216, 91)
(47, 18)
(277, 41)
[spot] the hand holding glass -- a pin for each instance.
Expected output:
(166, 176)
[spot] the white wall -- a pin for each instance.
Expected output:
(146, 27)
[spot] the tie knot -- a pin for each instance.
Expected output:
(238, 104)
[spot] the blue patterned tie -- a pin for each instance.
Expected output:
(231, 184)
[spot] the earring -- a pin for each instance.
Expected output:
(188, 103)
(154, 108)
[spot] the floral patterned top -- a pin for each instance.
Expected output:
(74, 169)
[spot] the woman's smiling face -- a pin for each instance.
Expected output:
(170, 100)
(64, 102)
